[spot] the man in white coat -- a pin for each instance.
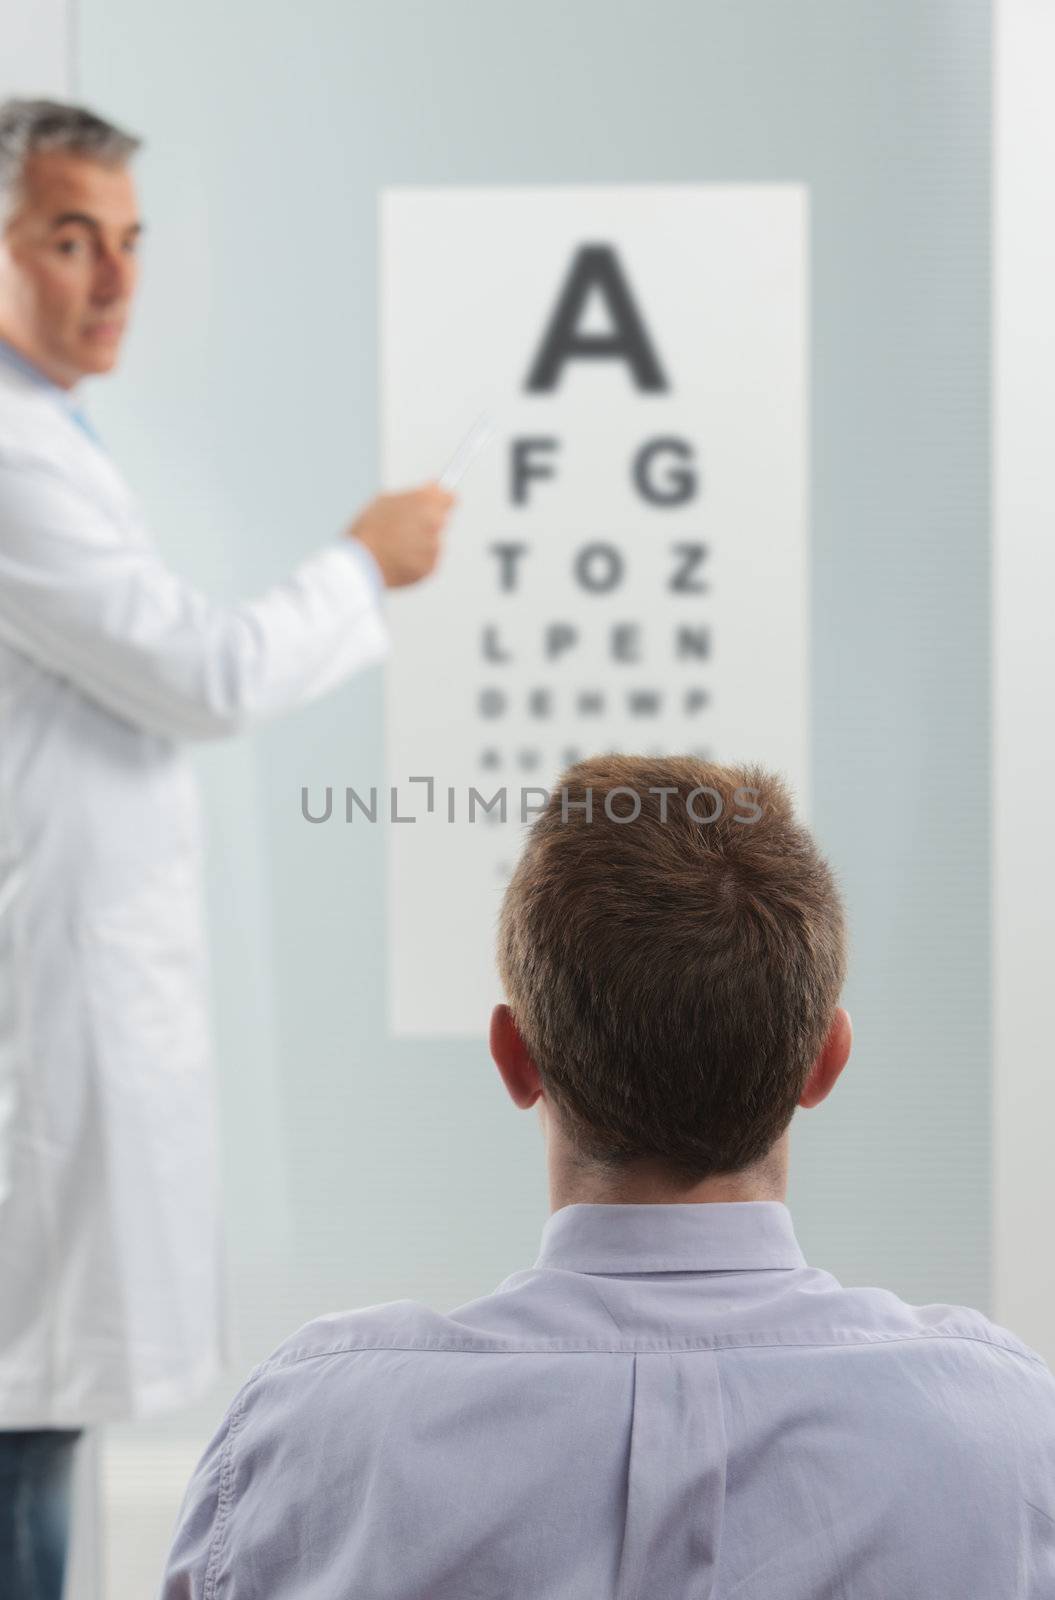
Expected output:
(109, 665)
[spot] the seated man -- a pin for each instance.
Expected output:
(670, 1402)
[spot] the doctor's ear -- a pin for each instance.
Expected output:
(510, 1055)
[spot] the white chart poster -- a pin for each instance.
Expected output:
(627, 567)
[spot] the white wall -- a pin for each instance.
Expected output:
(38, 45)
(1023, 578)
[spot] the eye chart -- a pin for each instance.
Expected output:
(625, 369)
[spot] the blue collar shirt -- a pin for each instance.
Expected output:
(669, 1404)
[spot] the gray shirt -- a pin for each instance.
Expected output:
(669, 1404)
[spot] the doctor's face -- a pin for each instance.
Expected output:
(68, 264)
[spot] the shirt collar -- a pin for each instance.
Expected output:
(710, 1236)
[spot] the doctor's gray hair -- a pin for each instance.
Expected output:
(28, 126)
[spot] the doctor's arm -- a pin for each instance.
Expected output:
(104, 611)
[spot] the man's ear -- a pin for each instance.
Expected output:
(832, 1058)
(510, 1056)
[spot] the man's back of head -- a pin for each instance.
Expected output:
(673, 947)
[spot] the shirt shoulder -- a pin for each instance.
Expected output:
(391, 1325)
(873, 1314)
(542, 1310)
(556, 1361)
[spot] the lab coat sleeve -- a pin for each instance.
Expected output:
(99, 607)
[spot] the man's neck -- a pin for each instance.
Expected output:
(572, 1183)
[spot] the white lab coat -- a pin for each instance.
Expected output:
(110, 1265)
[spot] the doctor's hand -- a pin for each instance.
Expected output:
(402, 532)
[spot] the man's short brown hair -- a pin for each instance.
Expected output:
(673, 974)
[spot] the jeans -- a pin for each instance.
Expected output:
(35, 1471)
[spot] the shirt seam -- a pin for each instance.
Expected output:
(716, 1346)
(224, 1497)
(719, 1539)
(599, 1266)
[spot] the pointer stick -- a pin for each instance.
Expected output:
(479, 435)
